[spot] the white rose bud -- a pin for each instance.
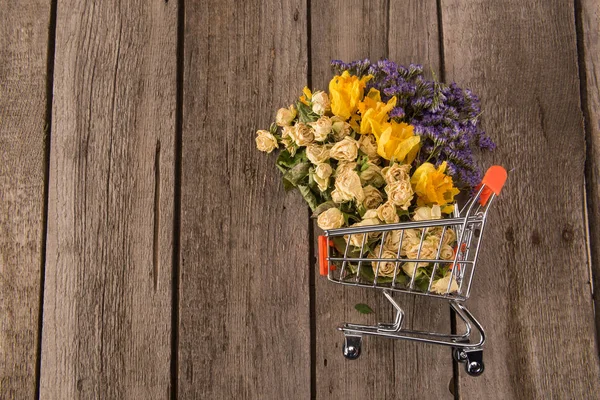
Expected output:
(368, 145)
(396, 172)
(387, 213)
(265, 141)
(317, 154)
(322, 128)
(331, 218)
(302, 134)
(441, 285)
(372, 175)
(373, 197)
(340, 128)
(400, 193)
(321, 176)
(349, 187)
(285, 116)
(345, 150)
(320, 102)
(426, 213)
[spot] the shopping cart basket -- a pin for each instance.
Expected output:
(434, 258)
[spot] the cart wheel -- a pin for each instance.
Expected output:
(474, 368)
(351, 348)
(459, 355)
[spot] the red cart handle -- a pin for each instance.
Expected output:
(323, 263)
(494, 180)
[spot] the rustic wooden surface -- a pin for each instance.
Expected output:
(244, 303)
(107, 305)
(23, 49)
(175, 266)
(588, 16)
(532, 288)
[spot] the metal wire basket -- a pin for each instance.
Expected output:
(434, 258)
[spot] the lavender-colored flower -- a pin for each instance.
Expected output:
(445, 116)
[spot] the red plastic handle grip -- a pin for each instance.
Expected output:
(323, 263)
(494, 180)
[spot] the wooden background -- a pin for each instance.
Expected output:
(147, 250)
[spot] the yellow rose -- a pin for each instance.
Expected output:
(373, 111)
(317, 154)
(368, 145)
(441, 285)
(371, 175)
(396, 172)
(322, 128)
(340, 128)
(396, 140)
(265, 141)
(321, 176)
(432, 185)
(331, 218)
(387, 213)
(400, 193)
(285, 116)
(386, 268)
(345, 92)
(425, 213)
(348, 187)
(373, 197)
(320, 102)
(302, 134)
(345, 150)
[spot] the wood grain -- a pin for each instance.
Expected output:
(532, 288)
(387, 369)
(107, 305)
(244, 296)
(23, 49)
(589, 20)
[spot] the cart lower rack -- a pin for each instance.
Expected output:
(434, 258)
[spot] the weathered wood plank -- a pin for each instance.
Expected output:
(387, 369)
(23, 49)
(107, 305)
(244, 302)
(589, 20)
(532, 290)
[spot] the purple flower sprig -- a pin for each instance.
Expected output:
(445, 116)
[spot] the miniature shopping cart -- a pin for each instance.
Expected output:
(434, 258)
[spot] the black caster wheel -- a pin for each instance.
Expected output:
(474, 368)
(351, 348)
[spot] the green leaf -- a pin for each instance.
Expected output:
(322, 208)
(363, 308)
(286, 160)
(309, 196)
(297, 173)
(305, 113)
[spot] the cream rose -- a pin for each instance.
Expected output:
(321, 176)
(340, 128)
(386, 268)
(302, 134)
(285, 116)
(331, 218)
(368, 145)
(265, 141)
(320, 102)
(373, 197)
(410, 242)
(371, 175)
(370, 218)
(345, 150)
(436, 233)
(426, 213)
(322, 128)
(345, 166)
(318, 154)
(441, 285)
(387, 213)
(348, 186)
(396, 173)
(400, 193)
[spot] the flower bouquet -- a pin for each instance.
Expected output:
(385, 145)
